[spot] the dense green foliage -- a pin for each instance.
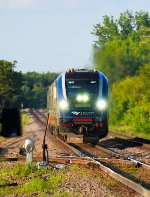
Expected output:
(121, 58)
(34, 89)
(41, 182)
(10, 81)
(119, 49)
(130, 101)
(23, 90)
(127, 25)
(122, 52)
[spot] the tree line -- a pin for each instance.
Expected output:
(122, 52)
(23, 90)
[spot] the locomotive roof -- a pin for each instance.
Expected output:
(82, 74)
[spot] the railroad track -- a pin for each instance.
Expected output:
(121, 156)
(139, 141)
(105, 159)
(118, 147)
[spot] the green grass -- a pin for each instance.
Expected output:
(130, 130)
(3, 183)
(25, 118)
(27, 180)
(30, 180)
(3, 159)
(23, 171)
(82, 172)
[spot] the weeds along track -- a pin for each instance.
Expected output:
(119, 165)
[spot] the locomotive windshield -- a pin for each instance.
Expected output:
(75, 87)
(82, 93)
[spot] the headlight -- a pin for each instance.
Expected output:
(101, 104)
(79, 97)
(83, 98)
(63, 105)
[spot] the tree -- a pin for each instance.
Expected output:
(145, 35)
(128, 24)
(35, 87)
(106, 32)
(119, 50)
(130, 101)
(119, 59)
(10, 80)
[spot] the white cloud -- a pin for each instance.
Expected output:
(17, 4)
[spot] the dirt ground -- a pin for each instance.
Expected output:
(10, 147)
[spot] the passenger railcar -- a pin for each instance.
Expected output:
(77, 103)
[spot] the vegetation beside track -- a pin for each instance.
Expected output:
(75, 181)
(25, 118)
(130, 104)
(127, 129)
(122, 52)
(26, 179)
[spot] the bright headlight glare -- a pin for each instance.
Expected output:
(79, 97)
(101, 104)
(63, 104)
(85, 98)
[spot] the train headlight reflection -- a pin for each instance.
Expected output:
(101, 104)
(63, 105)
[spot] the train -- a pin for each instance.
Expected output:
(77, 106)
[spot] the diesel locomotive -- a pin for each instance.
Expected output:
(77, 104)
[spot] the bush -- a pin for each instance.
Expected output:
(138, 118)
(129, 101)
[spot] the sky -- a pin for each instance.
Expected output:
(54, 35)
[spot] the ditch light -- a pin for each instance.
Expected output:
(101, 104)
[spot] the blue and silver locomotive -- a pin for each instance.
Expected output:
(77, 103)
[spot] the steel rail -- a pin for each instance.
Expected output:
(137, 162)
(122, 179)
(118, 177)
